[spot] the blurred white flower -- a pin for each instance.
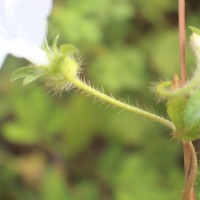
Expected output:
(195, 45)
(23, 27)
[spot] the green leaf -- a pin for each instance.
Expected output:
(32, 108)
(22, 73)
(54, 186)
(132, 175)
(119, 70)
(20, 133)
(81, 120)
(194, 30)
(88, 189)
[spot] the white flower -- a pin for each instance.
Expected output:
(23, 26)
(195, 45)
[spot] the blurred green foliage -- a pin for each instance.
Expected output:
(71, 148)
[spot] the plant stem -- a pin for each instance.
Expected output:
(88, 89)
(190, 160)
(182, 39)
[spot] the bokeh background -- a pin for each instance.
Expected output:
(68, 147)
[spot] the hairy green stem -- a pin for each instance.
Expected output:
(191, 170)
(83, 86)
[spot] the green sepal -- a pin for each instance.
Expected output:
(175, 110)
(194, 30)
(30, 78)
(29, 74)
(22, 73)
(185, 114)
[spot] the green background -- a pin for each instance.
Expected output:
(68, 147)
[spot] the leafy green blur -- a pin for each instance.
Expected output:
(68, 147)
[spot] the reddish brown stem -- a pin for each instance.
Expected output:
(190, 163)
(190, 160)
(182, 39)
(189, 154)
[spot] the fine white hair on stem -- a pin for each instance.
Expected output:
(107, 104)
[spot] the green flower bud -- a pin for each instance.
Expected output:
(63, 64)
(69, 67)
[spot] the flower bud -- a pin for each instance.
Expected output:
(63, 65)
(69, 67)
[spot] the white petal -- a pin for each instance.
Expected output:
(38, 57)
(10, 14)
(3, 20)
(2, 58)
(18, 47)
(23, 49)
(23, 26)
(13, 11)
(33, 23)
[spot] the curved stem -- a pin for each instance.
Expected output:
(190, 160)
(83, 86)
